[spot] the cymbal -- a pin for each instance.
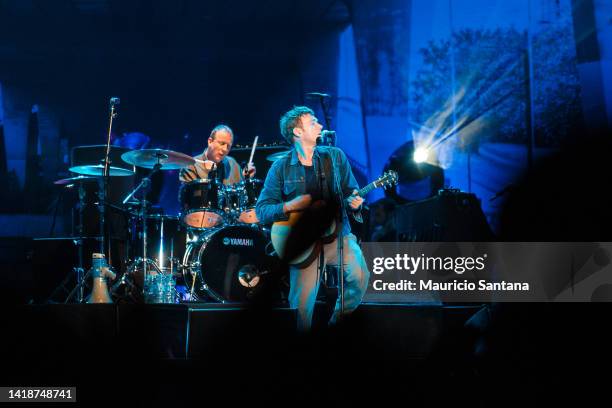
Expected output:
(71, 180)
(97, 170)
(148, 158)
(275, 156)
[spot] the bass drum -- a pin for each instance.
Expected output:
(230, 264)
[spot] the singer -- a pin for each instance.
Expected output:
(296, 181)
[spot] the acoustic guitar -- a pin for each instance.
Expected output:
(282, 231)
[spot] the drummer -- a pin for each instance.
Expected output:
(215, 163)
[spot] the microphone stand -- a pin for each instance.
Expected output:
(325, 109)
(102, 203)
(103, 196)
(340, 239)
(340, 195)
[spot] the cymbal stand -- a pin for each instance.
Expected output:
(144, 183)
(79, 270)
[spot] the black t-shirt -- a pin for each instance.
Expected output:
(313, 184)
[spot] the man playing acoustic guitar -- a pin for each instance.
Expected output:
(293, 184)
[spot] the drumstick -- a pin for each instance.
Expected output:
(252, 151)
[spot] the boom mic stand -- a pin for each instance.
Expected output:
(322, 97)
(105, 179)
(340, 238)
(325, 109)
(102, 203)
(329, 139)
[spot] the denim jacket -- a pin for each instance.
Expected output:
(286, 180)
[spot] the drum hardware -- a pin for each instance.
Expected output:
(79, 269)
(145, 182)
(193, 269)
(154, 159)
(215, 245)
(81, 277)
(69, 183)
(133, 281)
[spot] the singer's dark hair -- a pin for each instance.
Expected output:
(221, 127)
(291, 120)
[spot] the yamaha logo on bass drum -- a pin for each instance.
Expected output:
(238, 241)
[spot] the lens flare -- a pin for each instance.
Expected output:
(420, 154)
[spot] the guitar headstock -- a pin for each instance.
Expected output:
(388, 179)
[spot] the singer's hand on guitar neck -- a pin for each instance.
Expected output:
(298, 203)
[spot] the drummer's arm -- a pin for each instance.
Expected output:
(269, 206)
(187, 174)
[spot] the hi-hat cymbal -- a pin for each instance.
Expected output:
(275, 156)
(72, 180)
(148, 158)
(97, 170)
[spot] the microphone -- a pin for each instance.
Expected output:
(327, 138)
(317, 95)
(114, 101)
(248, 276)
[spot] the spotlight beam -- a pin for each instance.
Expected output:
(472, 119)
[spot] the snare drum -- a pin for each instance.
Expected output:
(251, 190)
(202, 203)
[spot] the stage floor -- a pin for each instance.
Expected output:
(171, 354)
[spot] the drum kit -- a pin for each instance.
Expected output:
(214, 249)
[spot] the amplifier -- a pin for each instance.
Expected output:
(451, 216)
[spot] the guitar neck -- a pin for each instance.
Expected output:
(367, 189)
